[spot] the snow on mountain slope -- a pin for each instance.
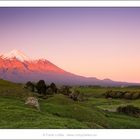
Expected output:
(17, 60)
(16, 54)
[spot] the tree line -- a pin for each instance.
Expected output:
(41, 88)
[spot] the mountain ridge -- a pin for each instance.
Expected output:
(18, 67)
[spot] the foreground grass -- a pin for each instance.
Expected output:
(14, 114)
(123, 122)
(61, 112)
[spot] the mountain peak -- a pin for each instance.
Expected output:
(16, 54)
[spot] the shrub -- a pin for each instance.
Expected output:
(135, 95)
(122, 94)
(76, 95)
(108, 94)
(129, 110)
(113, 94)
(65, 90)
(128, 95)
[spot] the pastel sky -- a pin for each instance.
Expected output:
(93, 42)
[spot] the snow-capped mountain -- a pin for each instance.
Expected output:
(17, 67)
(16, 54)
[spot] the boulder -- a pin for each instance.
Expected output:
(33, 102)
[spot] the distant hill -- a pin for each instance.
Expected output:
(17, 67)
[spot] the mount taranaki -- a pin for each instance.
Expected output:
(17, 67)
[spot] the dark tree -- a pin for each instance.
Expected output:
(30, 86)
(53, 87)
(41, 87)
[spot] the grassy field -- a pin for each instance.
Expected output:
(59, 111)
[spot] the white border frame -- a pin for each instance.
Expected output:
(69, 134)
(69, 3)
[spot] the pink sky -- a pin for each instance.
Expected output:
(93, 42)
